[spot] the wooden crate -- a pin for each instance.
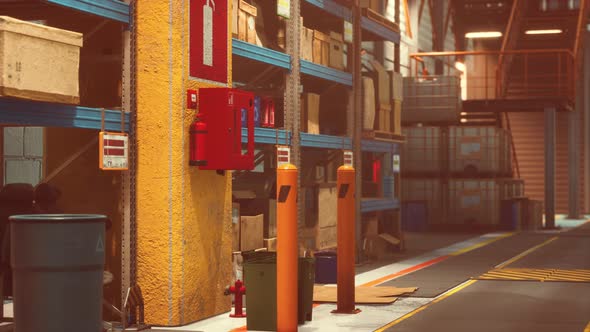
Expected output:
(321, 48)
(39, 62)
(247, 22)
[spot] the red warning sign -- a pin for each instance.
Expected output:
(208, 40)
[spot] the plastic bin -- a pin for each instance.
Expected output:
(260, 278)
(57, 263)
(415, 216)
(326, 267)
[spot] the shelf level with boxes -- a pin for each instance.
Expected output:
(374, 25)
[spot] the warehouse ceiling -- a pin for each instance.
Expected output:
(494, 15)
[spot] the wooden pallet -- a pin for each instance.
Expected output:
(383, 136)
(380, 19)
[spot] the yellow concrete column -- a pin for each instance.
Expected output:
(183, 214)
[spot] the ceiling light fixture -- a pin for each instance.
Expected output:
(544, 32)
(483, 34)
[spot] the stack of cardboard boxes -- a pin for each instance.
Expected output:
(326, 49)
(382, 101)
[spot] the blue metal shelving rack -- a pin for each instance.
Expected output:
(261, 54)
(330, 74)
(379, 204)
(32, 113)
(268, 136)
(110, 9)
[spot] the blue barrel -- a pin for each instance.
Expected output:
(57, 264)
(511, 214)
(414, 216)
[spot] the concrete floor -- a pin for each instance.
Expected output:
(465, 304)
(488, 305)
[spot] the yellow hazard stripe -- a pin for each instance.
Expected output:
(537, 274)
(422, 308)
(587, 329)
(481, 244)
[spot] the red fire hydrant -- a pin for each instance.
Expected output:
(239, 290)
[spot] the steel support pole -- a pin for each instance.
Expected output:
(550, 115)
(358, 120)
(586, 127)
(573, 154)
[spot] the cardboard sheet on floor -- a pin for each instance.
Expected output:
(363, 295)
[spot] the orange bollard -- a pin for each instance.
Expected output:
(287, 248)
(346, 240)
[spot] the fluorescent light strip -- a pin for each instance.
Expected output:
(544, 32)
(483, 34)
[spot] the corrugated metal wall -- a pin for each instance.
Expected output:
(527, 131)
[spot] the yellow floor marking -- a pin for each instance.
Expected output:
(479, 245)
(538, 275)
(438, 299)
(525, 253)
(587, 329)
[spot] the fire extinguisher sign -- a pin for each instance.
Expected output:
(113, 151)
(208, 40)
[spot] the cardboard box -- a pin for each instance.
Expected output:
(306, 46)
(326, 238)
(321, 48)
(327, 205)
(397, 117)
(38, 62)
(235, 7)
(318, 238)
(235, 221)
(336, 51)
(251, 232)
(270, 222)
(383, 84)
(247, 22)
(379, 246)
(371, 226)
(270, 244)
(368, 104)
(397, 88)
(310, 113)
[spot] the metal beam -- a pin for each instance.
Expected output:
(358, 120)
(550, 114)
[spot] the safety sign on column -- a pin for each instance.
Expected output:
(208, 40)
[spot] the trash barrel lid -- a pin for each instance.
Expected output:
(58, 218)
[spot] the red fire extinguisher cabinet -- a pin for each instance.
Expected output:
(220, 109)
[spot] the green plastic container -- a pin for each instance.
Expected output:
(260, 278)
